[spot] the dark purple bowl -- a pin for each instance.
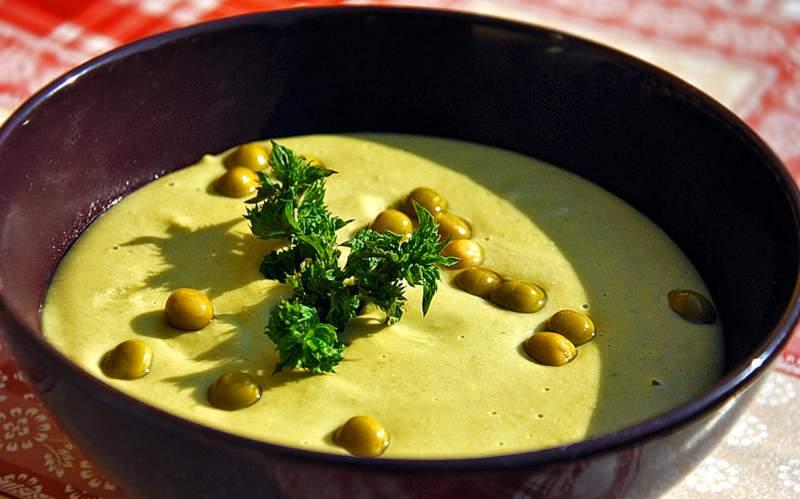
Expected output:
(119, 121)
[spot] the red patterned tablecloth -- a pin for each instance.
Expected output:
(744, 52)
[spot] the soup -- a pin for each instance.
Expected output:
(457, 382)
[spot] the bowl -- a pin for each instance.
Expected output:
(133, 114)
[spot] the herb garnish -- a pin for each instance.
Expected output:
(305, 328)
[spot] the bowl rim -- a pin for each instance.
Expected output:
(737, 379)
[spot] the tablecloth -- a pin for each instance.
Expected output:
(746, 53)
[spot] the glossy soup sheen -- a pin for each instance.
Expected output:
(455, 383)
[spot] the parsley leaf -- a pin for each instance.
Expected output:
(302, 340)
(381, 262)
(289, 204)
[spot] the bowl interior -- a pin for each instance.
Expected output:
(160, 104)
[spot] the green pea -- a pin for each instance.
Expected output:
(468, 252)
(428, 198)
(478, 281)
(519, 296)
(551, 349)
(130, 359)
(453, 227)
(313, 160)
(575, 326)
(393, 221)
(188, 309)
(252, 156)
(363, 436)
(692, 306)
(237, 182)
(234, 390)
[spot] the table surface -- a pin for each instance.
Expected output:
(745, 53)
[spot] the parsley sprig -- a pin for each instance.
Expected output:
(305, 328)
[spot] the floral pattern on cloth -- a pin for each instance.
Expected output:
(22, 428)
(22, 485)
(760, 456)
(746, 53)
(36, 459)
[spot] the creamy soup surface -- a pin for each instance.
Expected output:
(455, 383)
